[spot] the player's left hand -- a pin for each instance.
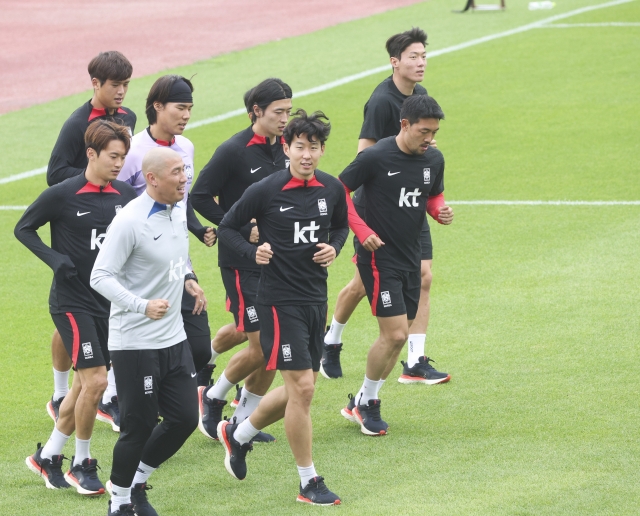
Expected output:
(433, 144)
(445, 215)
(325, 256)
(210, 237)
(196, 291)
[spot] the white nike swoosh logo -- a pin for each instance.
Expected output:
(254, 171)
(193, 375)
(285, 209)
(393, 173)
(81, 214)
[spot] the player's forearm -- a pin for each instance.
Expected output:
(337, 238)
(104, 282)
(193, 224)
(31, 240)
(357, 225)
(234, 239)
(434, 204)
(206, 206)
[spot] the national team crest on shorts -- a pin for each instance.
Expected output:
(322, 206)
(386, 298)
(148, 384)
(286, 352)
(252, 314)
(87, 350)
(427, 175)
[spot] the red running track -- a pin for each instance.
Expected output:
(47, 44)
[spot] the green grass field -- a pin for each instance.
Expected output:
(534, 308)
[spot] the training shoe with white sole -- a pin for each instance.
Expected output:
(369, 418)
(317, 493)
(205, 374)
(236, 400)
(84, 477)
(330, 364)
(235, 453)
(53, 408)
(109, 413)
(140, 502)
(422, 372)
(123, 510)
(347, 412)
(210, 412)
(49, 469)
(263, 437)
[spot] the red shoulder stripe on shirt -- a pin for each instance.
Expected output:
(96, 113)
(294, 182)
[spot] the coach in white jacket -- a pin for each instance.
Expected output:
(141, 269)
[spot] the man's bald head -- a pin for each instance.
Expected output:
(163, 170)
(159, 161)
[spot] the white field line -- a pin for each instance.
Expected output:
(548, 203)
(608, 24)
(373, 71)
(480, 203)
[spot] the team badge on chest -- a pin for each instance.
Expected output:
(322, 206)
(427, 175)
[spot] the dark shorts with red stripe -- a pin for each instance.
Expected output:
(85, 338)
(292, 336)
(391, 291)
(242, 288)
(426, 246)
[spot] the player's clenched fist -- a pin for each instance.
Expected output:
(372, 243)
(326, 255)
(157, 309)
(445, 215)
(264, 254)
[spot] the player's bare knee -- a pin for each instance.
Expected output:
(397, 338)
(94, 386)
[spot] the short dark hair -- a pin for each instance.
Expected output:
(311, 125)
(111, 65)
(265, 93)
(417, 107)
(101, 132)
(159, 92)
(397, 43)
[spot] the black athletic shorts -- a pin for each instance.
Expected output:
(426, 246)
(292, 336)
(242, 288)
(85, 338)
(391, 291)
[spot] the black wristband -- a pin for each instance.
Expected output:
(191, 275)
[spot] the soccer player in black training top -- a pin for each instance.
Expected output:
(403, 177)
(381, 120)
(79, 211)
(244, 159)
(110, 73)
(302, 218)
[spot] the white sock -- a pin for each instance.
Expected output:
(54, 445)
(306, 473)
(368, 391)
(247, 404)
(214, 355)
(110, 391)
(334, 335)
(245, 432)
(60, 384)
(416, 348)
(119, 496)
(142, 474)
(82, 451)
(221, 388)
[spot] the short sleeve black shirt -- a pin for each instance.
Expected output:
(396, 186)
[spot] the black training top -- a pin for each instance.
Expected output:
(79, 213)
(293, 217)
(244, 159)
(382, 116)
(396, 186)
(69, 156)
